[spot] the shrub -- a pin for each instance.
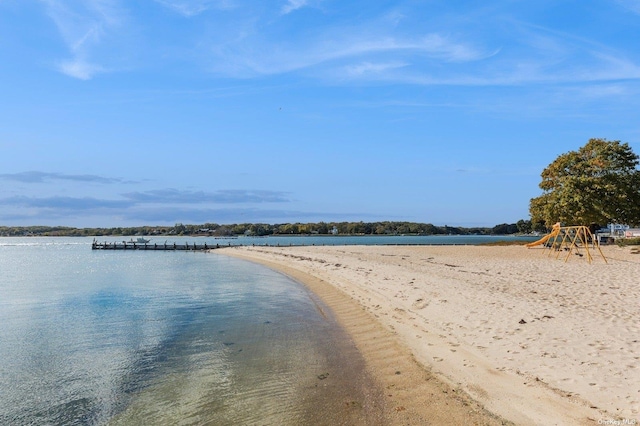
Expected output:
(622, 242)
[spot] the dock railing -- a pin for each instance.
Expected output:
(131, 245)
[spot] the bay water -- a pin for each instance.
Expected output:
(126, 338)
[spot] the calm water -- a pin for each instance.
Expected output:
(362, 240)
(102, 337)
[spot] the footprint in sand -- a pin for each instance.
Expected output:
(420, 303)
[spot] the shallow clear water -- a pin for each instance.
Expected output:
(104, 337)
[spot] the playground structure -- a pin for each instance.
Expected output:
(570, 239)
(554, 233)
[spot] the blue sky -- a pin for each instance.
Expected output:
(124, 113)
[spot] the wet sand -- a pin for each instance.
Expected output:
(482, 335)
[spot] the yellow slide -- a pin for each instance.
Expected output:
(554, 232)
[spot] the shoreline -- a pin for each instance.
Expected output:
(448, 314)
(411, 393)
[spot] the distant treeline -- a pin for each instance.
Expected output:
(263, 229)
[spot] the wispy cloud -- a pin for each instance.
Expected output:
(549, 55)
(292, 5)
(143, 209)
(87, 212)
(633, 5)
(227, 215)
(80, 69)
(394, 44)
(64, 203)
(173, 196)
(368, 68)
(432, 45)
(40, 177)
(176, 205)
(342, 49)
(190, 8)
(386, 48)
(84, 25)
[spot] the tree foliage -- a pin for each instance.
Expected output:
(599, 183)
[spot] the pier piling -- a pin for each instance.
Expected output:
(130, 245)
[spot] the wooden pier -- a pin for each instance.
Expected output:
(131, 245)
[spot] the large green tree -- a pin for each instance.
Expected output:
(599, 183)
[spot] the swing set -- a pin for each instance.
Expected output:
(570, 239)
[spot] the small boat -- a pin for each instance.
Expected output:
(139, 240)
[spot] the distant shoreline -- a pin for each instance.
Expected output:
(379, 228)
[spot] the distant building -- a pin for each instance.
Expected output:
(617, 230)
(632, 233)
(614, 231)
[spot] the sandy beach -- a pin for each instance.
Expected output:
(483, 335)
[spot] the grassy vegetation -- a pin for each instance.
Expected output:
(622, 242)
